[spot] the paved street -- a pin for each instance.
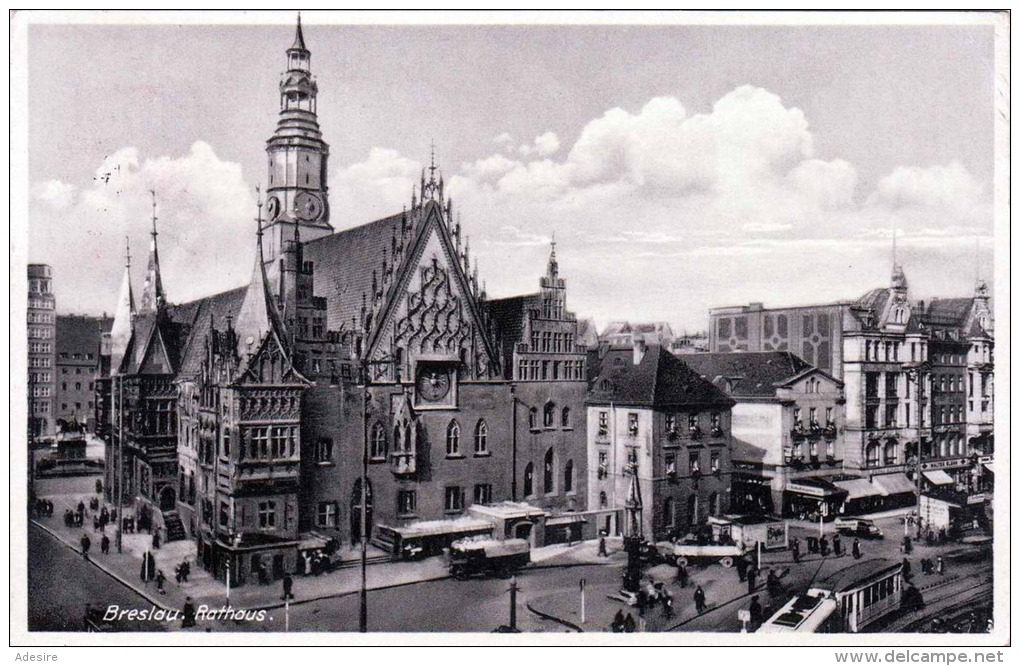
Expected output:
(60, 583)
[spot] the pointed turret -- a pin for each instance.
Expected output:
(153, 298)
(258, 316)
(553, 270)
(120, 331)
(299, 37)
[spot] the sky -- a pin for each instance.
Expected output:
(680, 168)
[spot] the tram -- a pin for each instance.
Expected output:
(848, 601)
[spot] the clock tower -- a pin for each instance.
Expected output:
(296, 195)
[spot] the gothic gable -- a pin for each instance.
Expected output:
(433, 313)
(269, 364)
(155, 360)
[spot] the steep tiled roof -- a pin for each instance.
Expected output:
(343, 264)
(660, 379)
(507, 316)
(949, 310)
(874, 299)
(196, 315)
(751, 374)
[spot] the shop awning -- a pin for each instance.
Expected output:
(859, 488)
(939, 478)
(566, 519)
(814, 487)
(990, 468)
(894, 484)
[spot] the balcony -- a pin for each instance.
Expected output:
(403, 463)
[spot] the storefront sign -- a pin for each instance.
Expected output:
(943, 464)
(976, 499)
(986, 460)
(806, 490)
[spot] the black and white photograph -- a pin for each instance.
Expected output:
(510, 328)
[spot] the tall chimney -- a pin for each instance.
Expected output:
(639, 349)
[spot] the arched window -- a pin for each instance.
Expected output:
(669, 514)
(529, 480)
(692, 510)
(565, 417)
(603, 500)
(453, 439)
(377, 447)
(568, 477)
(533, 418)
(481, 438)
(871, 454)
(549, 415)
(549, 473)
(890, 453)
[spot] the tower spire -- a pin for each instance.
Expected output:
(123, 316)
(152, 290)
(299, 37)
(554, 266)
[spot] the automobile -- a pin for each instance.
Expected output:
(689, 551)
(858, 527)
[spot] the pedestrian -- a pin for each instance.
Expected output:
(178, 573)
(940, 565)
(185, 570)
(906, 568)
(288, 586)
(617, 625)
(699, 600)
(602, 546)
(160, 581)
(99, 486)
(189, 613)
(772, 583)
(837, 545)
(629, 625)
(667, 605)
(742, 568)
(755, 612)
(682, 576)
(642, 601)
(823, 545)
(95, 523)
(855, 548)
(86, 543)
(155, 539)
(795, 547)
(104, 545)
(752, 573)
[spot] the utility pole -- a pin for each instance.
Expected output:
(513, 443)
(363, 594)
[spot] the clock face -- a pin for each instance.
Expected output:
(273, 207)
(308, 206)
(433, 384)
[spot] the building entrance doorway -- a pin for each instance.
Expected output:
(356, 511)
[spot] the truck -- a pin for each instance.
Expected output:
(488, 557)
(750, 531)
(689, 550)
(858, 527)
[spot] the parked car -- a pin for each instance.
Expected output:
(858, 527)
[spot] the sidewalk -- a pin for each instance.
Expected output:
(204, 589)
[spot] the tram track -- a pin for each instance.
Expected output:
(935, 607)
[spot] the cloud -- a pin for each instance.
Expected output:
(205, 213)
(660, 213)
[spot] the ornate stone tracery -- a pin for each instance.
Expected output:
(434, 322)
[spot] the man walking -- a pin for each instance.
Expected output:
(837, 545)
(742, 568)
(755, 611)
(189, 613)
(751, 575)
(104, 545)
(940, 565)
(602, 545)
(823, 545)
(288, 586)
(795, 548)
(699, 600)
(86, 543)
(681, 574)
(855, 548)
